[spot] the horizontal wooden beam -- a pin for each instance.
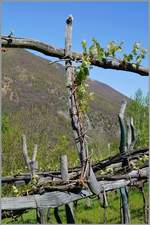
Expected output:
(27, 176)
(73, 172)
(15, 42)
(52, 199)
(56, 198)
(117, 159)
(139, 174)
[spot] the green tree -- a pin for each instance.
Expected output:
(138, 109)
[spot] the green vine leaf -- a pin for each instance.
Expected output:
(136, 48)
(113, 48)
(84, 46)
(97, 52)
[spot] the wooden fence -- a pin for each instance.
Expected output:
(56, 188)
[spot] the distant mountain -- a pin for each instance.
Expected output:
(35, 97)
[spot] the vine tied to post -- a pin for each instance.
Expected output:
(75, 78)
(78, 88)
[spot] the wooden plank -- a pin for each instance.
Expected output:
(57, 198)
(27, 202)
(52, 200)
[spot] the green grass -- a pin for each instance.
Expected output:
(95, 214)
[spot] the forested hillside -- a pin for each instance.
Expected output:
(34, 100)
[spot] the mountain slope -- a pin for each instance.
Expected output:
(35, 98)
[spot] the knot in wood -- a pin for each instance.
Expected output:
(69, 19)
(82, 182)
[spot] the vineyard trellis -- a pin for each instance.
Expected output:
(55, 188)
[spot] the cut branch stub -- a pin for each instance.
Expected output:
(25, 151)
(64, 168)
(34, 152)
(68, 37)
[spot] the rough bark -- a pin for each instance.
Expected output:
(15, 42)
(125, 213)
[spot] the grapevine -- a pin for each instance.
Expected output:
(113, 52)
(81, 74)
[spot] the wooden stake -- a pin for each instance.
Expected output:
(65, 177)
(125, 213)
(145, 205)
(57, 217)
(77, 125)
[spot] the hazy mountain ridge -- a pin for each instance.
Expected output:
(34, 90)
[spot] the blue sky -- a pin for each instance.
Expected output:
(106, 21)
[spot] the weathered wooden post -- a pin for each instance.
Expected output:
(41, 215)
(125, 213)
(129, 134)
(48, 214)
(131, 139)
(64, 168)
(105, 206)
(57, 217)
(145, 205)
(76, 122)
(87, 203)
(32, 165)
(65, 177)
